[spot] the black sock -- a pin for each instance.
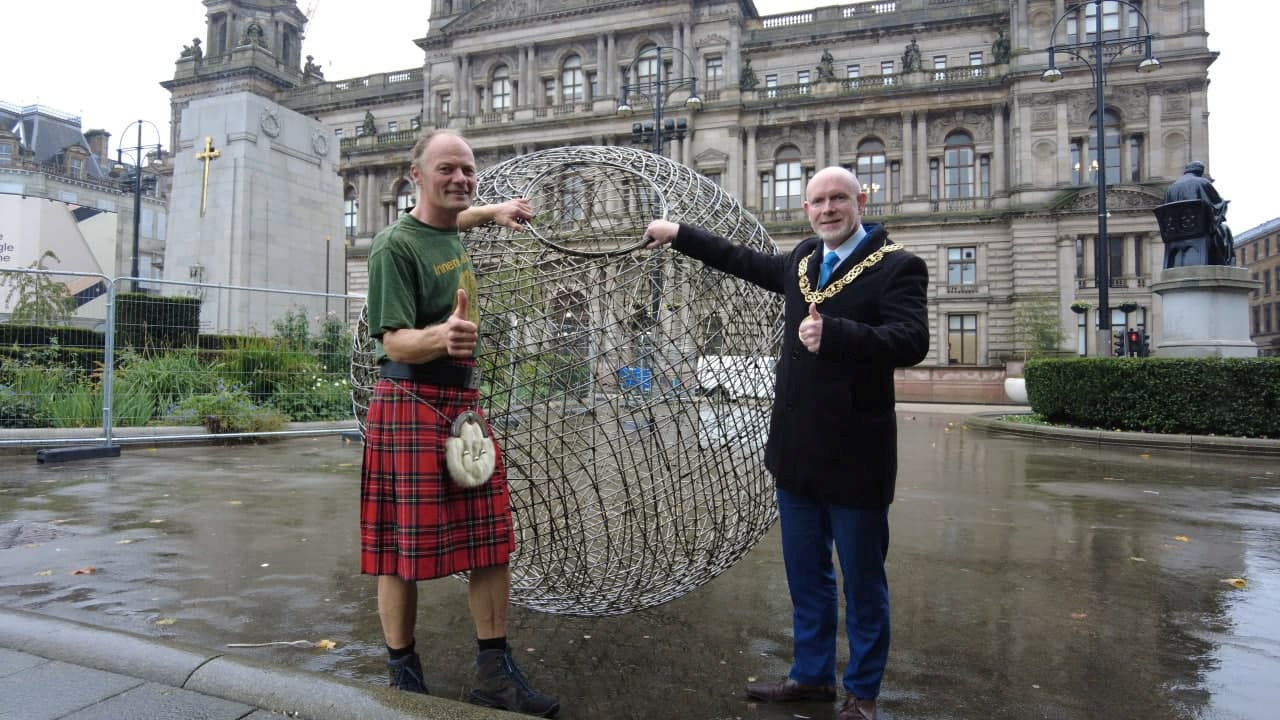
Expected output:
(498, 643)
(401, 653)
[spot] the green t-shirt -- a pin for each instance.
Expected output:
(415, 271)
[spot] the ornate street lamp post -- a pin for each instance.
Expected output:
(135, 180)
(658, 90)
(1097, 54)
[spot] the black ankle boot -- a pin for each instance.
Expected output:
(500, 684)
(406, 674)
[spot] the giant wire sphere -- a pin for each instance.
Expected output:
(629, 389)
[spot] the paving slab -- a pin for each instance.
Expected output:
(12, 661)
(154, 701)
(52, 690)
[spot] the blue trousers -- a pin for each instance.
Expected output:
(861, 540)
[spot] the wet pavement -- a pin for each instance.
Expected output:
(1030, 579)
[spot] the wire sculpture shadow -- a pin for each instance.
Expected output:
(630, 390)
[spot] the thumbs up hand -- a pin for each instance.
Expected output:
(811, 330)
(460, 334)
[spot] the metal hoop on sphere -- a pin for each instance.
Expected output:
(583, 200)
(630, 391)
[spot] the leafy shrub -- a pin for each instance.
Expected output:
(165, 377)
(19, 410)
(228, 409)
(1200, 396)
(324, 399)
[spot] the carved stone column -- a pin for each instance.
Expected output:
(997, 148)
(602, 67)
(464, 88)
(610, 65)
(819, 144)
(908, 166)
(1062, 126)
(833, 153)
(753, 174)
(1198, 142)
(1155, 148)
(922, 147)
(734, 180)
(677, 39)
(691, 50)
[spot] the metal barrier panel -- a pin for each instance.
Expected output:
(53, 350)
(197, 358)
(88, 359)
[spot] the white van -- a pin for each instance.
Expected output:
(736, 376)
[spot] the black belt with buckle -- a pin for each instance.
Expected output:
(436, 373)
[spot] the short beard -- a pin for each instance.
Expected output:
(837, 237)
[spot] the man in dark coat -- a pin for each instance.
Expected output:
(855, 309)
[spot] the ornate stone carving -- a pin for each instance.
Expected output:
(1117, 199)
(976, 122)
(770, 140)
(269, 121)
(1131, 100)
(711, 40)
(1080, 107)
(1043, 119)
(1176, 105)
(320, 142)
(855, 130)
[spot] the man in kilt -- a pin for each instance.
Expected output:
(416, 523)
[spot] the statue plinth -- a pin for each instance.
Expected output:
(1205, 311)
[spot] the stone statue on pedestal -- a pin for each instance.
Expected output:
(1193, 222)
(911, 57)
(193, 51)
(826, 67)
(748, 79)
(1000, 48)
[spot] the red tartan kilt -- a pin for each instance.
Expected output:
(414, 522)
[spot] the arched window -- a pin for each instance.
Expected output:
(647, 65)
(870, 170)
(787, 193)
(957, 165)
(1111, 137)
(404, 197)
(350, 211)
(500, 89)
(571, 89)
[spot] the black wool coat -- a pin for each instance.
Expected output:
(833, 434)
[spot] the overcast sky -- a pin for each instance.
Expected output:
(103, 60)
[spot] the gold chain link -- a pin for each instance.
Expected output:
(818, 296)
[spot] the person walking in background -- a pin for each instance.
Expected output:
(854, 310)
(416, 521)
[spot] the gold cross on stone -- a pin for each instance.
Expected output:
(207, 157)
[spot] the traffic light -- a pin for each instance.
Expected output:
(1144, 350)
(1135, 344)
(1119, 338)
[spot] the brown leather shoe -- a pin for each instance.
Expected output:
(786, 689)
(854, 708)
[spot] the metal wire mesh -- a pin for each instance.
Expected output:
(629, 486)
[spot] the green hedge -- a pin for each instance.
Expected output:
(151, 322)
(42, 335)
(86, 360)
(1237, 397)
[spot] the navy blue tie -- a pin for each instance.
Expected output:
(828, 265)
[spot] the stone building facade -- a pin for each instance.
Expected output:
(971, 160)
(45, 153)
(1258, 250)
